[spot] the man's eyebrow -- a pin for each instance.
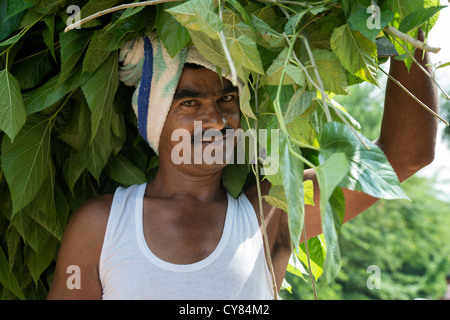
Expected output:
(189, 93)
(186, 93)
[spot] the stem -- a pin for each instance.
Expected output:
(261, 213)
(277, 106)
(227, 53)
(316, 71)
(113, 9)
(303, 159)
(276, 103)
(414, 97)
(410, 54)
(414, 42)
(52, 118)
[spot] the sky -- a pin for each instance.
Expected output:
(440, 37)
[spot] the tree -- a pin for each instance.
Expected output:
(68, 133)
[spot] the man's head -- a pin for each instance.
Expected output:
(146, 64)
(205, 107)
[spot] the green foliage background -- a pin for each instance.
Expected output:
(68, 134)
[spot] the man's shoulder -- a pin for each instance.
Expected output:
(92, 216)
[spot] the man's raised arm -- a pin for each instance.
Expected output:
(408, 131)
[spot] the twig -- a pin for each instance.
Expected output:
(113, 9)
(261, 212)
(423, 69)
(414, 97)
(414, 42)
(319, 80)
(227, 53)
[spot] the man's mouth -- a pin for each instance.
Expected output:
(218, 137)
(213, 140)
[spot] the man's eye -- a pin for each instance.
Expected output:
(189, 103)
(228, 98)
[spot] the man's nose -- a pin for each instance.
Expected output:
(213, 117)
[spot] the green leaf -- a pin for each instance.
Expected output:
(46, 215)
(267, 37)
(308, 190)
(100, 90)
(7, 277)
(357, 53)
(77, 128)
(129, 26)
(73, 44)
(198, 15)
(37, 263)
(302, 130)
(317, 254)
(300, 101)
(244, 51)
(12, 108)
(244, 101)
(26, 162)
(404, 7)
(171, 32)
(331, 224)
(277, 197)
(73, 166)
(8, 25)
(131, 11)
(293, 74)
(418, 18)
(241, 43)
(94, 6)
(96, 53)
(370, 171)
(32, 233)
(124, 171)
(330, 72)
(359, 21)
(31, 71)
(209, 48)
(292, 173)
(329, 174)
(17, 6)
(233, 178)
(48, 94)
(95, 151)
(48, 34)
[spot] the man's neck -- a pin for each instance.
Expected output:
(171, 182)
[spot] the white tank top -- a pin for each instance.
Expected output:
(236, 269)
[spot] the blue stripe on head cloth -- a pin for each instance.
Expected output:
(145, 64)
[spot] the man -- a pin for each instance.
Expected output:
(181, 236)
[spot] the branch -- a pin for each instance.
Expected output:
(414, 42)
(113, 9)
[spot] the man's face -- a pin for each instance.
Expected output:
(202, 103)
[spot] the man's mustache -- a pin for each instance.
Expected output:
(199, 135)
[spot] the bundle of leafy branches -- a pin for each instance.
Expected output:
(68, 132)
